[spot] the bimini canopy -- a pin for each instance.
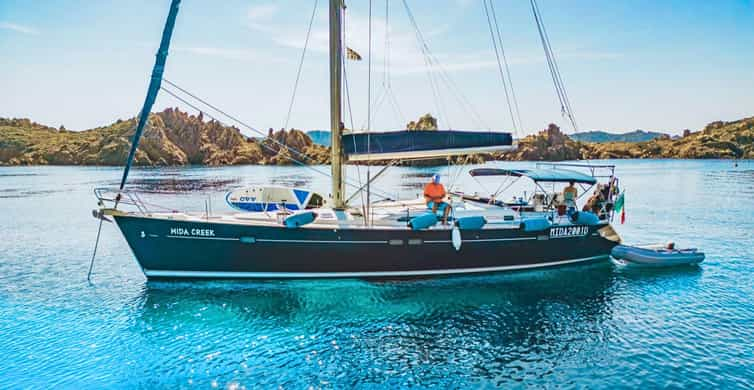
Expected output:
(410, 144)
(538, 175)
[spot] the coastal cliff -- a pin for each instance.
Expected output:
(717, 140)
(727, 140)
(549, 144)
(172, 137)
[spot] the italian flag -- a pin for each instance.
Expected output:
(620, 207)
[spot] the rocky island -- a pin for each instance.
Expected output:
(731, 140)
(174, 137)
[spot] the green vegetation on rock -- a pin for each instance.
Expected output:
(171, 137)
(603, 136)
(717, 140)
(425, 123)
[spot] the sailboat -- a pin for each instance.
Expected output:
(332, 239)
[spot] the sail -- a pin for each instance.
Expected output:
(154, 85)
(411, 144)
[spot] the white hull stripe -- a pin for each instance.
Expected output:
(322, 241)
(482, 240)
(349, 241)
(302, 275)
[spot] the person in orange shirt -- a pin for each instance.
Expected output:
(434, 195)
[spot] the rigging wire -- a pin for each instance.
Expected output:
(565, 104)
(505, 61)
(387, 93)
(424, 48)
(301, 64)
(347, 99)
(292, 149)
(386, 79)
(369, 114)
(444, 76)
(184, 101)
(396, 107)
(253, 129)
(500, 66)
(555, 64)
(386, 58)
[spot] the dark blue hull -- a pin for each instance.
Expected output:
(169, 249)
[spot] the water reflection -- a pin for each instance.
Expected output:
(585, 326)
(289, 300)
(742, 180)
(483, 323)
(6, 174)
(686, 273)
(177, 184)
(11, 193)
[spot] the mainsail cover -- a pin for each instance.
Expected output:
(154, 85)
(412, 144)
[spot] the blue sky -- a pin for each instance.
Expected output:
(655, 65)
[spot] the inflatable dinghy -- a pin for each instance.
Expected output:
(657, 255)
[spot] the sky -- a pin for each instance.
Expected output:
(640, 64)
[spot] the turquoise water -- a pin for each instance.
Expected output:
(599, 326)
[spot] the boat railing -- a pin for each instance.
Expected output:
(121, 197)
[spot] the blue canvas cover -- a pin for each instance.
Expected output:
(471, 223)
(423, 221)
(393, 142)
(535, 224)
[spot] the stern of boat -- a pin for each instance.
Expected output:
(608, 232)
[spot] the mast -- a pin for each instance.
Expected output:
(336, 129)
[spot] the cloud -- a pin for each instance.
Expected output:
(405, 52)
(18, 28)
(259, 14)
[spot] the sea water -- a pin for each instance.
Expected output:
(600, 326)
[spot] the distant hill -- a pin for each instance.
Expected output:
(319, 137)
(734, 139)
(720, 139)
(603, 136)
(177, 138)
(172, 137)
